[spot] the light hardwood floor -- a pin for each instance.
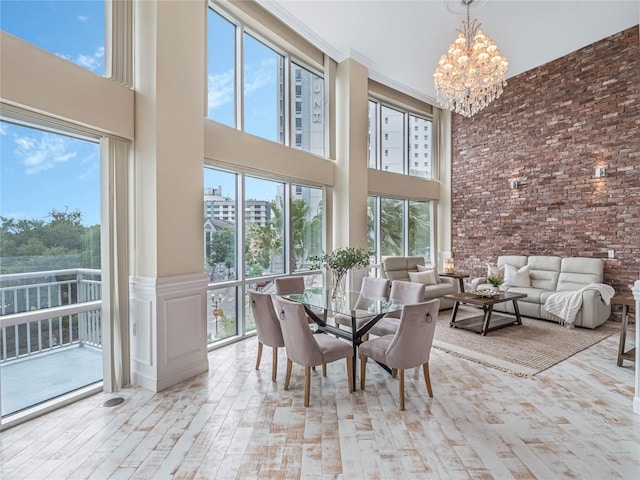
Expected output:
(574, 420)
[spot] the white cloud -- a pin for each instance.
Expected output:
(221, 85)
(92, 172)
(256, 78)
(43, 153)
(83, 18)
(90, 62)
(3, 130)
(220, 89)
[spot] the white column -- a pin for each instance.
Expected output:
(168, 285)
(636, 398)
(351, 179)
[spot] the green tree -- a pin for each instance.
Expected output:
(37, 245)
(371, 225)
(223, 248)
(392, 226)
(264, 243)
(299, 223)
(419, 229)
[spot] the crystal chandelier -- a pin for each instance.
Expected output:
(472, 72)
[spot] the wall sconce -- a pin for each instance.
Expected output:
(601, 172)
(514, 184)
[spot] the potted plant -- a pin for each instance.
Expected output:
(495, 281)
(340, 261)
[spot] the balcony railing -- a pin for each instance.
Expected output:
(44, 318)
(43, 311)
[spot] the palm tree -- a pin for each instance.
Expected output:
(391, 227)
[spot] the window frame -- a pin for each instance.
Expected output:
(406, 210)
(409, 135)
(289, 59)
(243, 281)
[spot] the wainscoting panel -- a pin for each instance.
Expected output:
(168, 337)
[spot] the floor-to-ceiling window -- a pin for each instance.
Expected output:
(261, 89)
(73, 30)
(399, 141)
(50, 271)
(221, 75)
(269, 230)
(399, 227)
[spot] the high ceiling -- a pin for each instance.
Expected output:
(401, 41)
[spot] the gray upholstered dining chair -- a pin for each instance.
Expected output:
(289, 285)
(307, 349)
(409, 347)
(405, 293)
(372, 287)
(267, 326)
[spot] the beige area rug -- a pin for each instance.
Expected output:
(522, 350)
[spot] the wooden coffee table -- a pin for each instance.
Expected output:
(487, 321)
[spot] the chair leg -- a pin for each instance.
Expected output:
(401, 387)
(363, 370)
(350, 373)
(307, 385)
(427, 378)
(324, 369)
(394, 372)
(259, 356)
(287, 376)
(275, 364)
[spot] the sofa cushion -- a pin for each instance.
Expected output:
(413, 263)
(427, 277)
(544, 271)
(533, 294)
(494, 270)
(433, 291)
(576, 272)
(425, 268)
(397, 268)
(515, 260)
(517, 277)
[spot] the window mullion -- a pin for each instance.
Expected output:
(286, 217)
(378, 228)
(378, 136)
(287, 103)
(240, 253)
(406, 135)
(239, 77)
(405, 226)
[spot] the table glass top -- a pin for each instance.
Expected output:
(353, 304)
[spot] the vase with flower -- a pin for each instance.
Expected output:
(339, 262)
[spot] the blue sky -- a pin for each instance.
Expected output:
(41, 171)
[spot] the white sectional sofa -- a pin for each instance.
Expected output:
(399, 268)
(549, 274)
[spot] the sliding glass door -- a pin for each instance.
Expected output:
(50, 272)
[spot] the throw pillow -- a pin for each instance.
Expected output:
(494, 270)
(428, 268)
(426, 278)
(517, 278)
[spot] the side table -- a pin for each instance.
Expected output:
(459, 276)
(627, 302)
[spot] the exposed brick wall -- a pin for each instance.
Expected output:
(550, 129)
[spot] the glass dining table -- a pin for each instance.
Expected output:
(322, 307)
